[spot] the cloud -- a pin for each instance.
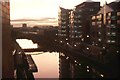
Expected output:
(33, 22)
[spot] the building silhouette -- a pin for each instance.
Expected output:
(94, 30)
(63, 21)
(80, 21)
(7, 46)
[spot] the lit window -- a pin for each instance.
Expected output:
(109, 14)
(75, 61)
(93, 17)
(108, 41)
(99, 32)
(67, 57)
(113, 41)
(99, 39)
(108, 33)
(82, 39)
(93, 23)
(102, 75)
(88, 70)
(87, 35)
(76, 36)
(75, 31)
(87, 48)
(99, 26)
(118, 13)
(61, 41)
(103, 47)
(87, 66)
(75, 26)
(113, 33)
(109, 22)
(117, 51)
(75, 45)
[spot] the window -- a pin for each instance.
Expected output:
(91, 9)
(118, 21)
(109, 22)
(93, 17)
(113, 41)
(113, 17)
(109, 14)
(99, 40)
(99, 26)
(93, 23)
(118, 13)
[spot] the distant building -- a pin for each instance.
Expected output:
(7, 47)
(24, 25)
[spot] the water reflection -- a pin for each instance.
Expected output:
(47, 63)
(59, 65)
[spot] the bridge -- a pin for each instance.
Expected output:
(99, 62)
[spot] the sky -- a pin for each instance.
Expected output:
(40, 12)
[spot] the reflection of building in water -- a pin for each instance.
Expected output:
(71, 68)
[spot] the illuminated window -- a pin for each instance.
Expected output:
(118, 13)
(109, 14)
(93, 23)
(109, 22)
(113, 41)
(108, 33)
(99, 39)
(88, 36)
(108, 41)
(99, 32)
(93, 17)
(87, 48)
(80, 26)
(99, 26)
(102, 75)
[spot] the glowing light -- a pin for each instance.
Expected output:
(87, 48)
(88, 36)
(67, 57)
(75, 45)
(87, 66)
(102, 75)
(88, 70)
(67, 43)
(103, 47)
(75, 61)
(117, 51)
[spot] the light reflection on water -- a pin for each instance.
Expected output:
(47, 63)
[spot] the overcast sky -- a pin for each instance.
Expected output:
(36, 9)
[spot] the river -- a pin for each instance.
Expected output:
(47, 63)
